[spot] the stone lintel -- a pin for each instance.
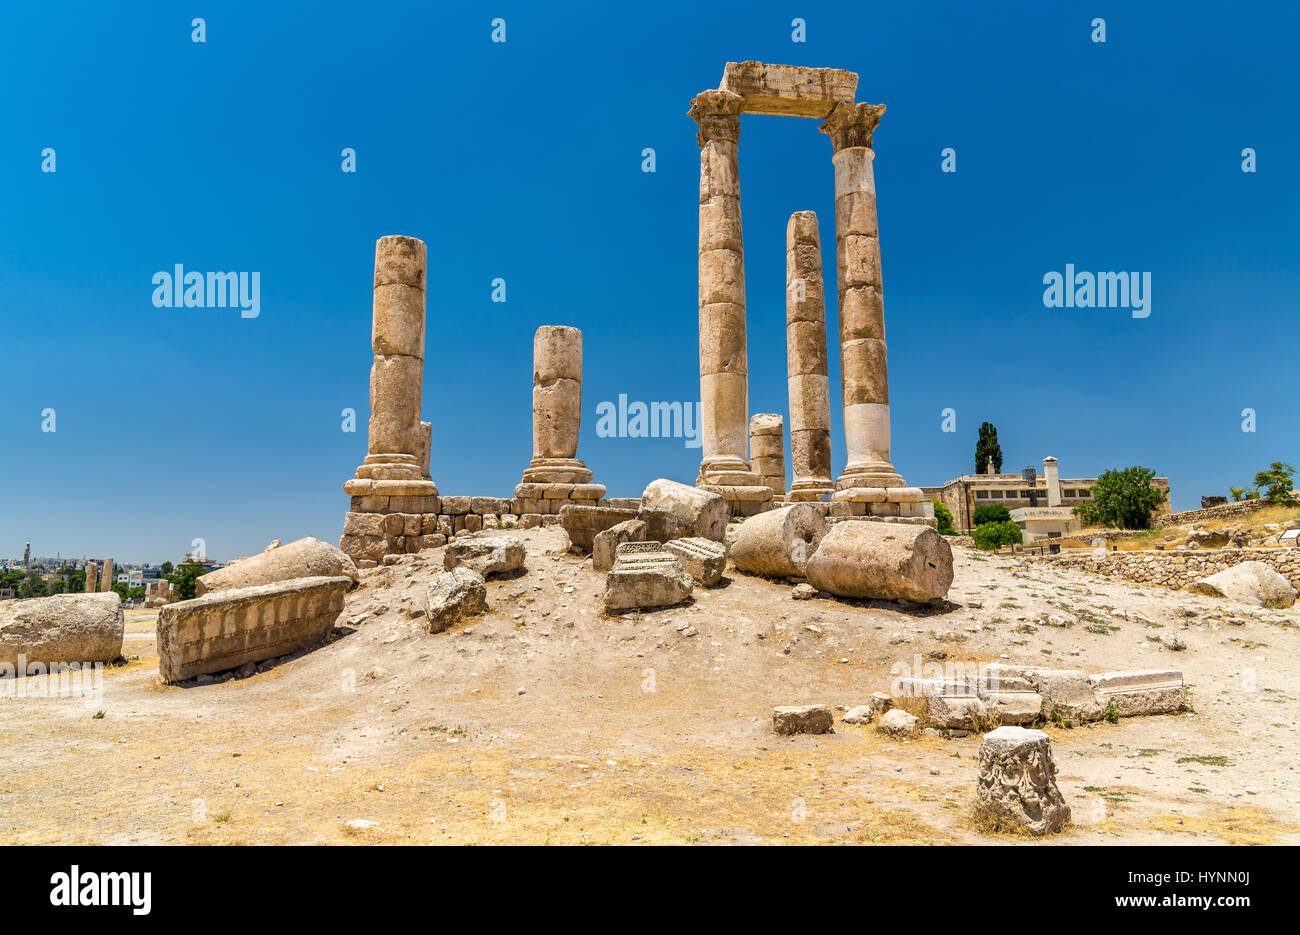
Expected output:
(788, 90)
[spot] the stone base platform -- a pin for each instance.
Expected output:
(557, 471)
(746, 500)
(885, 501)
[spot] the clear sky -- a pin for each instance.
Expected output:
(523, 160)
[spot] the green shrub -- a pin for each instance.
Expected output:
(990, 536)
(991, 513)
(944, 516)
(1122, 499)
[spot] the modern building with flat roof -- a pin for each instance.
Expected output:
(1047, 496)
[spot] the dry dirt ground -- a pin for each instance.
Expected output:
(545, 722)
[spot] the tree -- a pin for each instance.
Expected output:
(167, 568)
(944, 516)
(987, 447)
(991, 536)
(32, 586)
(184, 577)
(1276, 482)
(991, 513)
(1237, 493)
(1122, 499)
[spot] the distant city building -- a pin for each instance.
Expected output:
(1049, 501)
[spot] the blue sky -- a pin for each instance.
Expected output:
(522, 160)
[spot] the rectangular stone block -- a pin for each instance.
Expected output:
(360, 548)
(455, 506)
(363, 524)
(473, 522)
(788, 90)
(226, 629)
(530, 520)
(582, 523)
(369, 504)
(1151, 691)
(428, 524)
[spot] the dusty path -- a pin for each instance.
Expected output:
(545, 722)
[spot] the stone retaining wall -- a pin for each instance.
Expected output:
(226, 629)
(1223, 511)
(1178, 569)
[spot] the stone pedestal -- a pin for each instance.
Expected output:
(805, 331)
(555, 471)
(394, 477)
(767, 451)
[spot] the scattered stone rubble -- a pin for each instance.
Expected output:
(703, 559)
(486, 555)
(645, 575)
(803, 719)
(453, 596)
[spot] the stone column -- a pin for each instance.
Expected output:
(391, 491)
(805, 334)
(724, 371)
(92, 577)
(767, 450)
(557, 418)
(864, 375)
(1052, 474)
(397, 376)
(106, 582)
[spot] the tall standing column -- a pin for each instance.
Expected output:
(864, 375)
(397, 376)
(92, 577)
(391, 491)
(106, 582)
(555, 471)
(805, 333)
(724, 370)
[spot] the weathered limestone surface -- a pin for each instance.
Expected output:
(394, 477)
(605, 545)
(92, 577)
(1250, 582)
(1017, 782)
(724, 367)
(557, 411)
(805, 332)
(645, 575)
(803, 719)
(898, 723)
(225, 629)
(705, 513)
(65, 628)
(703, 559)
(487, 555)
(767, 450)
(306, 558)
(863, 373)
(779, 542)
(890, 561)
(1080, 696)
(583, 523)
(106, 580)
(950, 703)
(788, 90)
(453, 596)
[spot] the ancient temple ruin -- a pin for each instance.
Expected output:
(869, 480)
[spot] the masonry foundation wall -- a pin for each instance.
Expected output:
(1178, 569)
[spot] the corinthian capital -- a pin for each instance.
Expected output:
(718, 114)
(852, 124)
